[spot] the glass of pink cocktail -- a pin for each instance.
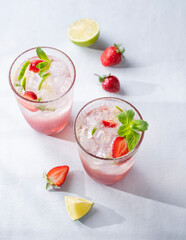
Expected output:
(105, 155)
(43, 86)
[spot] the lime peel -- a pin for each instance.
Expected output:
(84, 32)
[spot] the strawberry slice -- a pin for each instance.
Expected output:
(109, 123)
(56, 176)
(30, 96)
(119, 147)
(33, 65)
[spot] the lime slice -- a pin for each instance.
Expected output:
(84, 32)
(77, 207)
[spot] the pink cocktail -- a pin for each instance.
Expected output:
(49, 110)
(95, 130)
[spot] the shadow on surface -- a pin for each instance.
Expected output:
(71, 185)
(100, 44)
(135, 88)
(101, 216)
(67, 133)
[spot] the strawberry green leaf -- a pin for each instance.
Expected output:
(23, 70)
(42, 55)
(132, 139)
(130, 115)
(140, 125)
(43, 79)
(123, 117)
(47, 185)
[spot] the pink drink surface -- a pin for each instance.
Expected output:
(52, 115)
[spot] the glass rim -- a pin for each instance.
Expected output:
(124, 158)
(40, 102)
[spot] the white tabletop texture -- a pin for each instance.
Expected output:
(150, 202)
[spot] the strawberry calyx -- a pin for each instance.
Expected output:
(119, 50)
(102, 78)
(49, 182)
(56, 176)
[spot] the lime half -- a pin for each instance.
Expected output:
(77, 207)
(84, 32)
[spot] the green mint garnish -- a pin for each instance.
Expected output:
(42, 66)
(93, 130)
(42, 55)
(129, 128)
(44, 108)
(43, 79)
(23, 70)
(119, 109)
(23, 83)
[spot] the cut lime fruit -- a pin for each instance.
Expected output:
(77, 207)
(84, 32)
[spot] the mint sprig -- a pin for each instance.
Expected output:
(130, 128)
(42, 55)
(42, 66)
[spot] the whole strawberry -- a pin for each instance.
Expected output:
(110, 83)
(112, 55)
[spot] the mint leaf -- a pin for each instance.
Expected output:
(23, 83)
(130, 115)
(41, 65)
(124, 130)
(43, 79)
(119, 109)
(129, 127)
(140, 125)
(123, 117)
(44, 69)
(23, 70)
(41, 54)
(132, 139)
(93, 130)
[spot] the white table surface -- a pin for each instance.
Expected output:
(150, 203)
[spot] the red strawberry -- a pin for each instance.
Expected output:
(56, 176)
(119, 147)
(33, 65)
(30, 96)
(109, 123)
(112, 55)
(110, 83)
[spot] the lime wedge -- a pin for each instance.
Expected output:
(77, 207)
(84, 32)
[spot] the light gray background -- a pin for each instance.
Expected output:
(150, 203)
